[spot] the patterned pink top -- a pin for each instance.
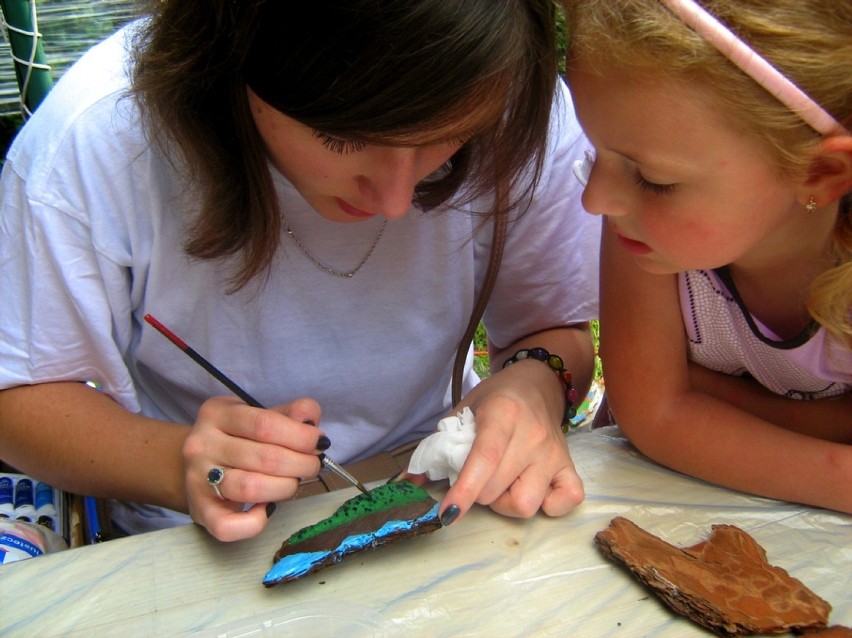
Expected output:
(725, 337)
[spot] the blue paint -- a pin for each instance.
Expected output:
(296, 565)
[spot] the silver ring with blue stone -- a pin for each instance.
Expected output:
(214, 478)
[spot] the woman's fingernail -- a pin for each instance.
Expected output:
(323, 443)
(450, 515)
(270, 508)
(310, 422)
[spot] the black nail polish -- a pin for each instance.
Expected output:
(323, 443)
(450, 515)
(270, 508)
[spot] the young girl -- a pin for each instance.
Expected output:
(303, 193)
(726, 318)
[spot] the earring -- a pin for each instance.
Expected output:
(811, 206)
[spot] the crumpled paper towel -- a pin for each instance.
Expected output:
(442, 454)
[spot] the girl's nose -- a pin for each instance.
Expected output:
(601, 195)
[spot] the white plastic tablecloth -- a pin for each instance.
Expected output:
(484, 576)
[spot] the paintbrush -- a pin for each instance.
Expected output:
(245, 396)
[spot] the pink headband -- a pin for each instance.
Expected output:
(753, 65)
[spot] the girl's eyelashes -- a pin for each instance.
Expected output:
(339, 145)
(657, 189)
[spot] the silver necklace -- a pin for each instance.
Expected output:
(332, 271)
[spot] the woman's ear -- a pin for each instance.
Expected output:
(830, 173)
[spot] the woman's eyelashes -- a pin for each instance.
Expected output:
(343, 146)
(652, 187)
(339, 145)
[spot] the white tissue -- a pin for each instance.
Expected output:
(441, 455)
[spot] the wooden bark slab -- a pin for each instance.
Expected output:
(724, 584)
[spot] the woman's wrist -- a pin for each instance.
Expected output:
(555, 363)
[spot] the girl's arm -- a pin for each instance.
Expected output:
(650, 391)
(829, 419)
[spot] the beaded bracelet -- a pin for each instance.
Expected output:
(554, 361)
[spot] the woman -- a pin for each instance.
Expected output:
(304, 193)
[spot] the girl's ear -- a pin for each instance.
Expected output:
(830, 174)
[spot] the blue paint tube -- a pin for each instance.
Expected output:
(7, 500)
(24, 503)
(44, 500)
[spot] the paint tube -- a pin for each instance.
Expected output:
(24, 501)
(7, 498)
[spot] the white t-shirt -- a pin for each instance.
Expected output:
(91, 229)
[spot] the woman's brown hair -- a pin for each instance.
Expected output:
(369, 70)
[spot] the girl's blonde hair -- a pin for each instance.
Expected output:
(809, 41)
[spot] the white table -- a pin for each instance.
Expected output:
(484, 576)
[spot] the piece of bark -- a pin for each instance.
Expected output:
(724, 584)
(835, 631)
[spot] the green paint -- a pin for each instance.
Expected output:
(380, 499)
